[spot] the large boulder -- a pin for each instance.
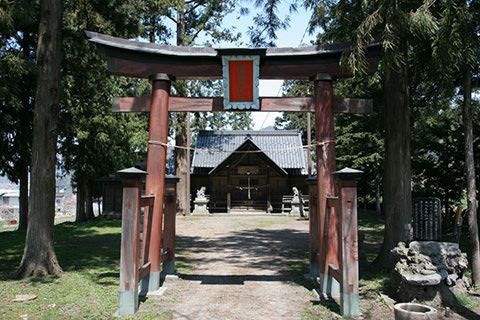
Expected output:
(430, 271)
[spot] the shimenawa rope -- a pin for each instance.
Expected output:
(320, 143)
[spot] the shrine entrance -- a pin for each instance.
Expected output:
(333, 205)
(248, 178)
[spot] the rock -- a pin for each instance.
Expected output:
(399, 251)
(427, 271)
(443, 274)
(451, 280)
(422, 280)
(430, 271)
(433, 248)
(24, 297)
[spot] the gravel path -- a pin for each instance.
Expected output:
(237, 267)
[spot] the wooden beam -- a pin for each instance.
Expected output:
(335, 273)
(267, 104)
(169, 224)
(144, 270)
(147, 201)
(140, 59)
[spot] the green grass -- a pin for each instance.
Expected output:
(89, 254)
(467, 301)
(88, 289)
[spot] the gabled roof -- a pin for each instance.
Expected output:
(247, 146)
(283, 147)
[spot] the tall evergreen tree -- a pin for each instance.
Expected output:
(358, 138)
(94, 141)
(18, 38)
(39, 257)
(398, 24)
(458, 46)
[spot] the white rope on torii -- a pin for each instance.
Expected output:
(304, 147)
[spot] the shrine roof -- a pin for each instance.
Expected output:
(283, 147)
(141, 59)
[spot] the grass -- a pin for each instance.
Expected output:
(88, 289)
(467, 301)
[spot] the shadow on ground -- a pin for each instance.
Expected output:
(86, 246)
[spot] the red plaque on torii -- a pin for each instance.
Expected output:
(240, 79)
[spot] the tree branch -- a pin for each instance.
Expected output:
(194, 7)
(195, 35)
(171, 18)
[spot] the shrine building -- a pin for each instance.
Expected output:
(248, 171)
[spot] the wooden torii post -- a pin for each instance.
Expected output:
(320, 64)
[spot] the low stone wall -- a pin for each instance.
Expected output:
(430, 271)
(8, 213)
(11, 213)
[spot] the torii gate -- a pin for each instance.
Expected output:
(333, 220)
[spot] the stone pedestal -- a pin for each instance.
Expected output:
(296, 207)
(200, 202)
(430, 271)
(200, 206)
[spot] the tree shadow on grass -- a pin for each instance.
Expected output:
(89, 246)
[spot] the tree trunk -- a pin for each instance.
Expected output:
(397, 196)
(181, 163)
(23, 209)
(470, 176)
(39, 257)
(378, 205)
(180, 23)
(181, 132)
(81, 214)
(151, 35)
(89, 202)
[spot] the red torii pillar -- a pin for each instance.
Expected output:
(156, 167)
(326, 165)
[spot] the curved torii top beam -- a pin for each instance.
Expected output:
(141, 59)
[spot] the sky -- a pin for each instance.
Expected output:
(294, 36)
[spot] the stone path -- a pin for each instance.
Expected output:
(237, 267)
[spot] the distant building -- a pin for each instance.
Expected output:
(10, 198)
(248, 170)
(242, 171)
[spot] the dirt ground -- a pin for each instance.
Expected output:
(251, 267)
(239, 267)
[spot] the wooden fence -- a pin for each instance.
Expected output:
(135, 265)
(334, 254)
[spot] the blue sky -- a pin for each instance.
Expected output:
(294, 36)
